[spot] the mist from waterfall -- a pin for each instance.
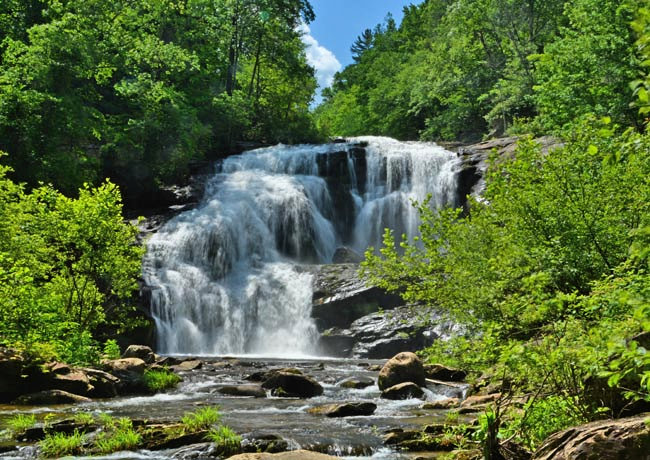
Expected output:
(222, 275)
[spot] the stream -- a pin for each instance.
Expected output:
(349, 437)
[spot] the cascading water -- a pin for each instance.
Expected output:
(222, 275)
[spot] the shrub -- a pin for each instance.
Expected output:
(111, 349)
(56, 445)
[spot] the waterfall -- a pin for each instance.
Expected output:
(222, 275)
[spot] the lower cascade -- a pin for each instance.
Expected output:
(223, 276)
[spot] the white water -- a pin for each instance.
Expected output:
(222, 275)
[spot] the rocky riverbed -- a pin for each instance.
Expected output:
(340, 411)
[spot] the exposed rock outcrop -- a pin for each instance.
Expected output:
(627, 438)
(293, 455)
(401, 368)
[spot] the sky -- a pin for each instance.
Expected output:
(338, 23)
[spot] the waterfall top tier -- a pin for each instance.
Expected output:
(222, 275)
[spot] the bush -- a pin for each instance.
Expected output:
(159, 380)
(58, 445)
(111, 349)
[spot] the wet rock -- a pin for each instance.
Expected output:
(397, 436)
(627, 438)
(143, 352)
(293, 455)
(444, 373)
(293, 385)
(189, 365)
(37, 433)
(382, 335)
(346, 255)
(403, 367)
(255, 391)
(50, 397)
(258, 442)
(406, 390)
(442, 404)
(349, 409)
(334, 342)
(197, 451)
(341, 296)
(167, 361)
(261, 376)
(357, 383)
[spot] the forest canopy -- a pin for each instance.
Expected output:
(139, 90)
(461, 70)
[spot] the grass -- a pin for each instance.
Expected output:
(159, 380)
(452, 417)
(84, 418)
(119, 436)
(58, 445)
(227, 441)
(202, 419)
(21, 422)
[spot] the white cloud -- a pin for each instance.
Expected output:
(319, 57)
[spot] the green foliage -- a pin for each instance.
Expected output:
(641, 87)
(201, 419)
(21, 422)
(227, 441)
(84, 418)
(463, 69)
(139, 91)
(67, 267)
(57, 445)
(119, 435)
(159, 380)
(111, 350)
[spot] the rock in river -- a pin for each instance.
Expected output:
(293, 385)
(349, 409)
(403, 367)
(293, 455)
(256, 391)
(406, 390)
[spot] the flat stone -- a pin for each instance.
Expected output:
(442, 404)
(444, 373)
(406, 390)
(249, 390)
(349, 409)
(50, 397)
(480, 400)
(189, 365)
(357, 383)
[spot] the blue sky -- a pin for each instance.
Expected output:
(337, 25)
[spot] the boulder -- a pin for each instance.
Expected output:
(105, 385)
(401, 368)
(627, 438)
(58, 368)
(293, 385)
(130, 372)
(356, 383)
(256, 391)
(50, 397)
(349, 409)
(76, 382)
(444, 373)
(293, 455)
(406, 390)
(261, 376)
(143, 352)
